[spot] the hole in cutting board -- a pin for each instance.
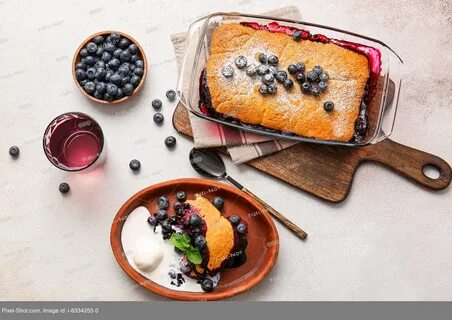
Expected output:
(431, 171)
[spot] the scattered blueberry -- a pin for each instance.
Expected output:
(268, 78)
(312, 76)
(292, 69)
(135, 165)
(322, 85)
(181, 196)
(281, 75)
(218, 202)
(272, 88)
(300, 76)
(263, 58)
(152, 220)
(251, 70)
(162, 215)
(263, 88)
(241, 62)
(194, 220)
(301, 67)
(170, 141)
(171, 95)
(306, 87)
(234, 220)
(315, 91)
(296, 35)
(228, 71)
(14, 151)
(158, 118)
(64, 187)
(262, 69)
(273, 60)
(200, 242)
(288, 83)
(163, 202)
(241, 228)
(207, 285)
(324, 77)
(328, 106)
(157, 104)
(318, 70)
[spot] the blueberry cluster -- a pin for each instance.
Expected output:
(312, 82)
(110, 67)
(267, 70)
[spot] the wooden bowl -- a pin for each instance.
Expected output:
(263, 239)
(77, 59)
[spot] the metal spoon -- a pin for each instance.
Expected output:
(208, 163)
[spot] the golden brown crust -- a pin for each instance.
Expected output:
(290, 111)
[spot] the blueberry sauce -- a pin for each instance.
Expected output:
(373, 56)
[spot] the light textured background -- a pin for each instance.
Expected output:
(389, 240)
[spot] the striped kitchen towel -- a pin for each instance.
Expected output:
(242, 146)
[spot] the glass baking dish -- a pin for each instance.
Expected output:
(381, 108)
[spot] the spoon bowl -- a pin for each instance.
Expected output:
(207, 163)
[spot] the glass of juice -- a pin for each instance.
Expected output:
(74, 141)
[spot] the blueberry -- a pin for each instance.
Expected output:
(281, 75)
(90, 87)
(135, 165)
(324, 77)
(241, 62)
(328, 106)
(64, 187)
(112, 89)
(268, 78)
(292, 69)
(125, 56)
(163, 202)
(80, 65)
(322, 85)
(108, 97)
(108, 75)
(99, 64)
(315, 91)
(100, 74)
(98, 95)
(218, 202)
(194, 220)
(83, 52)
(262, 69)
(135, 80)
(234, 220)
(115, 79)
(123, 71)
(170, 141)
(117, 53)
(301, 67)
(124, 43)
(119, 94)
(263, 88)
(171, 95)
(106, 57)
(138, 71)
(134, 58)
(288, 84)
(200, 242)
(181, 196)
(132, 67)
(167, 226)
(262, 58)
(109, 47)
(162, 215)
(228, 71)
(91, 73)
(177, 206)
(207, 285)
(139, 64)
(306, 87)
(83, 82)
(152, 220)
(80, 74)
(318, 70)
(296, 35)
(100, 51)
(114, 37)
(133, 49)
(14, 151)
(91, 47)
(156, 104)
(312, 76)
(158, 118)
(89, 60)
(114, 63)
(241, 228)
(98, 40)
(251, 70)
(273, 60)
(272, 88)
(127, 89)
(300, 76)
(125, 80)
(101, 87)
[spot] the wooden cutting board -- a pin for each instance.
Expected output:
(327, 172)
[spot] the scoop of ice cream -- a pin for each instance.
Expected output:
(147, 255)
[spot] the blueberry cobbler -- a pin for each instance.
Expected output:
(186, 247)
(286, 80)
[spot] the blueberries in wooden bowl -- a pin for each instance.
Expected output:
(109, 67)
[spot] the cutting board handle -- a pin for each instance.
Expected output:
(409, 162)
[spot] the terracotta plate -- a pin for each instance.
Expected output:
(263, 240)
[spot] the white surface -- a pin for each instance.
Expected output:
(389, 240)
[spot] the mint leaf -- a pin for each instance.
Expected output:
(182, 242)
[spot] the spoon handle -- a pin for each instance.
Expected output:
(286, 222)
